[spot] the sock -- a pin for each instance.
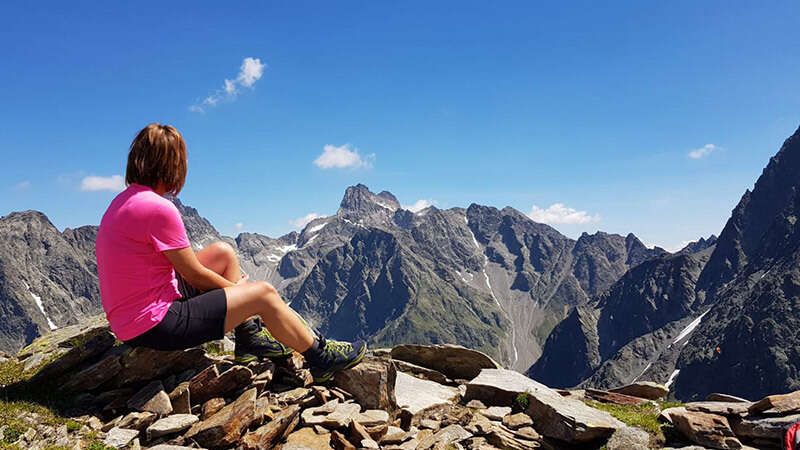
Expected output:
(315, 349)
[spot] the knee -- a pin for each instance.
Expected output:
(266, 290)
(223, 249)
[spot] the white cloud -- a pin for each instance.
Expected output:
(560, 214)
(342, 157)
(239, 226)
(419, 205)
(301, 222)
(703, 151)
(22, 186)
(114, 183)
(250, 71)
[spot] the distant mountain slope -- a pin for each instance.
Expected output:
(749, 342)
(627, 332)
(719, 316)
(48, 278)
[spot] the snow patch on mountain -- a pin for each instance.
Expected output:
(39, 303)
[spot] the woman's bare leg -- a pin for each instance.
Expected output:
(254, 299)
(221, 258)
(260, 298)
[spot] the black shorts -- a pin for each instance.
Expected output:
(195, 318)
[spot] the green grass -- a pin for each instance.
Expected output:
(97, 445)
(640, 416)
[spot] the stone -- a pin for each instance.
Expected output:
(369, 443)
(331, 415)
(496, 412)
(720, 408)
(498, 387)
(372, 418)
(151, 398)
(643, 389)
(171, 424)
(421, 372)
(479, 424)
(142, 364)
(453, 361)
(444, 437)
(371, 383)
(180, 399)
(394, 435)
(340, 442)
(293, 396)
(137, 420)
(629, 438)
(781, 404)
(95, 375)
(307, 439)
(226, 426)
(211, 407)
(613, 397)
(476, 404)
(210, 383)
(527, 433)
(507, 440)
(358, 433)
(415, 395)
(273, 431)
(769, 428)
(170, 447)
(120, 437)
(555, 416)
(58, 351)
(433, 424)
(716, 397)
(666, 414)
(518, 420)
(708, 430)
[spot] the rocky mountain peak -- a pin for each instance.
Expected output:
(359, 198)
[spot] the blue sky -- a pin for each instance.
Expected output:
(595, 106)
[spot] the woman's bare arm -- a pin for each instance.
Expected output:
(189, 267)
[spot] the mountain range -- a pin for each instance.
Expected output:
(721, 315)
(598, 311)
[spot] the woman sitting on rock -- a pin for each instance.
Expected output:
(159, 293)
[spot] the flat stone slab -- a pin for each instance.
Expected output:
(331, 415)
(415, 395)
(171, 424)
(496, 412)
(643, 389)
(771, 428)
(720, 408)
(554, 416)
(453, 361)
(307, 439)
(613, 397)
(120, 437)
(777, 404)
(717, 397)
(708, 430)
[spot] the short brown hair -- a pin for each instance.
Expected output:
(157, 154)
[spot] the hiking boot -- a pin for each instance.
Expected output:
(254, 342)
(333, 356)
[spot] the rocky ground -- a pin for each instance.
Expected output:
(78, 388)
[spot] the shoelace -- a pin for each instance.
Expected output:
(339, 347)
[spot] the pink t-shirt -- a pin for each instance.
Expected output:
(137, 282)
